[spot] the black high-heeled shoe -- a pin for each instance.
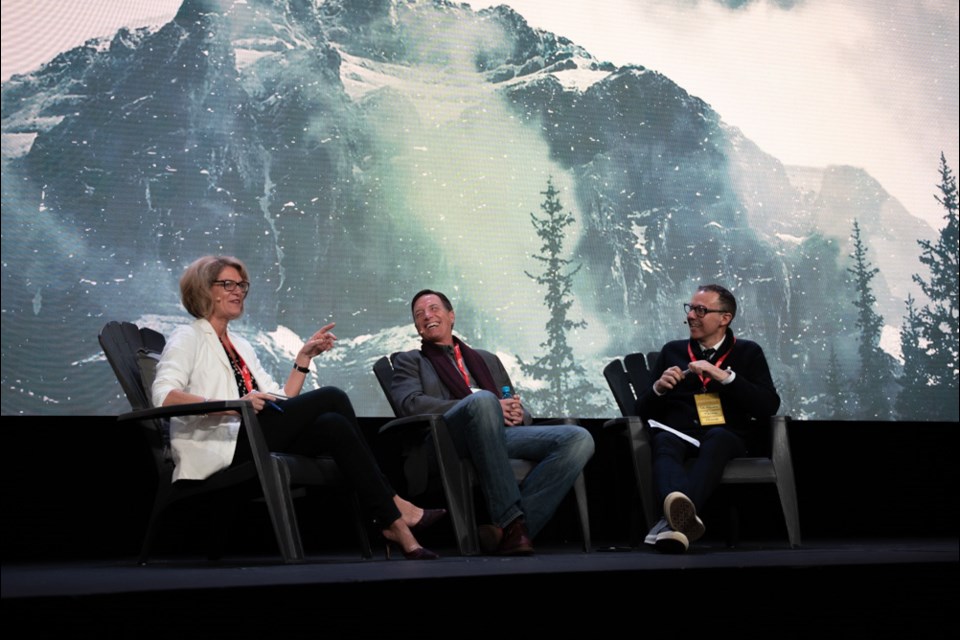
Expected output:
(420, 553)
(429, 518)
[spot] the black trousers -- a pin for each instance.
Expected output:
(322, 422)
(717, 447)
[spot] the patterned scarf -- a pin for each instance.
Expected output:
(448, 373)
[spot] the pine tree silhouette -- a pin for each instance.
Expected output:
(930, 384)
(875, 374)
(837, 403)
(912, 403)
(567, 391)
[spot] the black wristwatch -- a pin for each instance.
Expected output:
(301, 369)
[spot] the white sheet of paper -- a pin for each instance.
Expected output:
(659, 425)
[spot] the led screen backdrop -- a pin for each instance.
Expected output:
(352, 153)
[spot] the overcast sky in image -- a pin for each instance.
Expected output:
(813, 82)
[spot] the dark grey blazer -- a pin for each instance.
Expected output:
(417, 388)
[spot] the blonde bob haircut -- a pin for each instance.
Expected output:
(197, 280)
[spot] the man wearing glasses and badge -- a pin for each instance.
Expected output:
(708, 392)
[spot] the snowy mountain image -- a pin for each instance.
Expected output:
(352, 153)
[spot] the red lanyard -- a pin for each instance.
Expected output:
(239, 364)
(706, 379)
(458, 357)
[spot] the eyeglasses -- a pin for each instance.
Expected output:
(230, 285)
(701, 310)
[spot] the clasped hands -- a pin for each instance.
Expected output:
(672, 376)
(512, 411)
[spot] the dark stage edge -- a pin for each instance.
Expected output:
(826, 587)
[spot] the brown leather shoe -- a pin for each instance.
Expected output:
(490, 537)
(516, 540)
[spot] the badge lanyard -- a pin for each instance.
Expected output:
(237, 361)
(705, 379)
(460, 364)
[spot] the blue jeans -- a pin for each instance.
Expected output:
(561, 451)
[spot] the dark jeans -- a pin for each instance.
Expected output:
(322, 422)
(717, 447)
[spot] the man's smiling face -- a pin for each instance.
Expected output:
(434, 322)
(709, 329)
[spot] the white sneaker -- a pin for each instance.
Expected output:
(671, 541)
(658, 528)
(681, 515)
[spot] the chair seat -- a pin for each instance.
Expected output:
(312, 471)
(749, 470)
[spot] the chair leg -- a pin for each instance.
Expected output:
(580, 490)
(457, 478)
(275, 482)
(788, 500)
(160, 503)
(786, 485)
(643, 471)
(465, 520)
(283, 515)
(366, 551)
(637, 521)
(151, 535)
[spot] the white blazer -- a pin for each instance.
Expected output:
(194, 361)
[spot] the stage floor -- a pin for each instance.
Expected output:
(905, 587)
(85, 578)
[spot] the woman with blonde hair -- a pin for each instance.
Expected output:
(204, 361)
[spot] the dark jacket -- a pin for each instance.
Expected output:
(417, 389)
(751, 395)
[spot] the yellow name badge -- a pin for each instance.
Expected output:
(709, 409)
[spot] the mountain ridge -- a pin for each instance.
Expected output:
(335, 146)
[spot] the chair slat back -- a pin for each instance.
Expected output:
(383, 368)
(619, 384)
(638, 372)
(122, 343)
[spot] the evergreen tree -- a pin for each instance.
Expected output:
(836, 398)
(936, 323)
(567, 391)
(912, 403)
(875, 375)
(819, 317)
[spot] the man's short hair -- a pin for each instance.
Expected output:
(431, 292)
(196, 281)
(727, 301)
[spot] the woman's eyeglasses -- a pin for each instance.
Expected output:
(230, 285)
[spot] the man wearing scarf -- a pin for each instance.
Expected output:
(449, 377)
(712, 389)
